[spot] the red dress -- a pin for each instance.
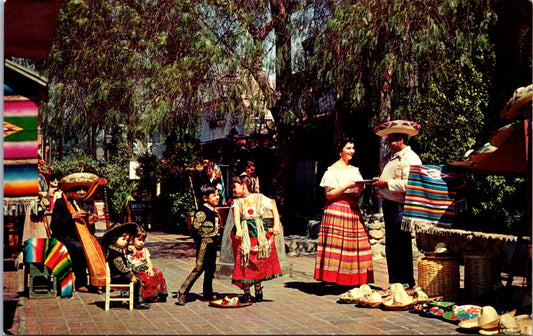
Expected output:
(256, 257)
(154, 287)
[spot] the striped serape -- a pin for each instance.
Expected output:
(21, 174)
(431, 196)
(54, 255)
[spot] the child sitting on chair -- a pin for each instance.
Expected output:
(154, 286)
(115, 241)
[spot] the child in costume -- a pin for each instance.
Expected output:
(205, 232)
(154, 286)
(115, 241)
(254, 247)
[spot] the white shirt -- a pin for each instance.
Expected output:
(335, 177)
(396, 172)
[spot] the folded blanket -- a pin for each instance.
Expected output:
(431, 196)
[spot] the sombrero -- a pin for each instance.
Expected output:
(487, 318)
(354, 294)
(397, 126)
(399, 301)
(506, 325)
(88, 180)
(501, 135)
(116, 230)
(373, 300)
(524, 321)
(518, 101)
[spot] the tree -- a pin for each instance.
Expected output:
(426, 61)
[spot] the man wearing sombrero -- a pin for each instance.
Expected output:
(391, 186)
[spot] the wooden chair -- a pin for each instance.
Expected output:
(120, 288)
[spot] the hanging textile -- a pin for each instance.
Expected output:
(433, 196)
(21, 174)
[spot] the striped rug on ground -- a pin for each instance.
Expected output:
(431, 196)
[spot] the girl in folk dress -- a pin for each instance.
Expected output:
(154, 286)
(254, 247)
(343, 255)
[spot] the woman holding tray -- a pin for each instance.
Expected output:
(343, 255)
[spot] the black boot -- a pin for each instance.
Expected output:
(259, 294)
(246, 298)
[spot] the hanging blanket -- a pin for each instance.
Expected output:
(21, 175)
(431, 196)
(54, 255)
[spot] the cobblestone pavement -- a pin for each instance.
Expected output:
(294, 304)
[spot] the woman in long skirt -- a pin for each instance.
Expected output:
(343, 255)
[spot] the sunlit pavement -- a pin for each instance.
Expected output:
(294, 304)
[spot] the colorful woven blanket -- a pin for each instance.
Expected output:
(431, 196)
(21, 175)
(54, 255)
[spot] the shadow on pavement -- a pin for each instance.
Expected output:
(318, 288)
(172, 249)
(9, 314)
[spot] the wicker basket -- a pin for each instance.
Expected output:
(439, 276)
(478, 275)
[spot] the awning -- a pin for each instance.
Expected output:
(29, 27)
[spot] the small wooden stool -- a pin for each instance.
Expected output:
(39, 281)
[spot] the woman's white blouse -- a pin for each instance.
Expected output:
(335, 177)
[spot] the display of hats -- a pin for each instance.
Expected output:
(521, 99)
(116, 230)
(397, 126)
(487, 318)
(399, 301)
(506, 325)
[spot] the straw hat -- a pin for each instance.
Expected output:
(420, 294)
(520, 100)
(375, 297)
(397, 126)
(396, 288)
(487, 318)
(524, 321)
(507, 325)
(116, 230)
(441, 248)
(373, 300)
(399, 301)
(352, 295)
(365, 289)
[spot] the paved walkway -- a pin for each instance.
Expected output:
(294, 304)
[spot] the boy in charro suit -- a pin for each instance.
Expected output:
(205, 232)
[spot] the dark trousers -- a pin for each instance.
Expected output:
(77, 256)
(121, 279)
(206, 261)
(398, 245)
